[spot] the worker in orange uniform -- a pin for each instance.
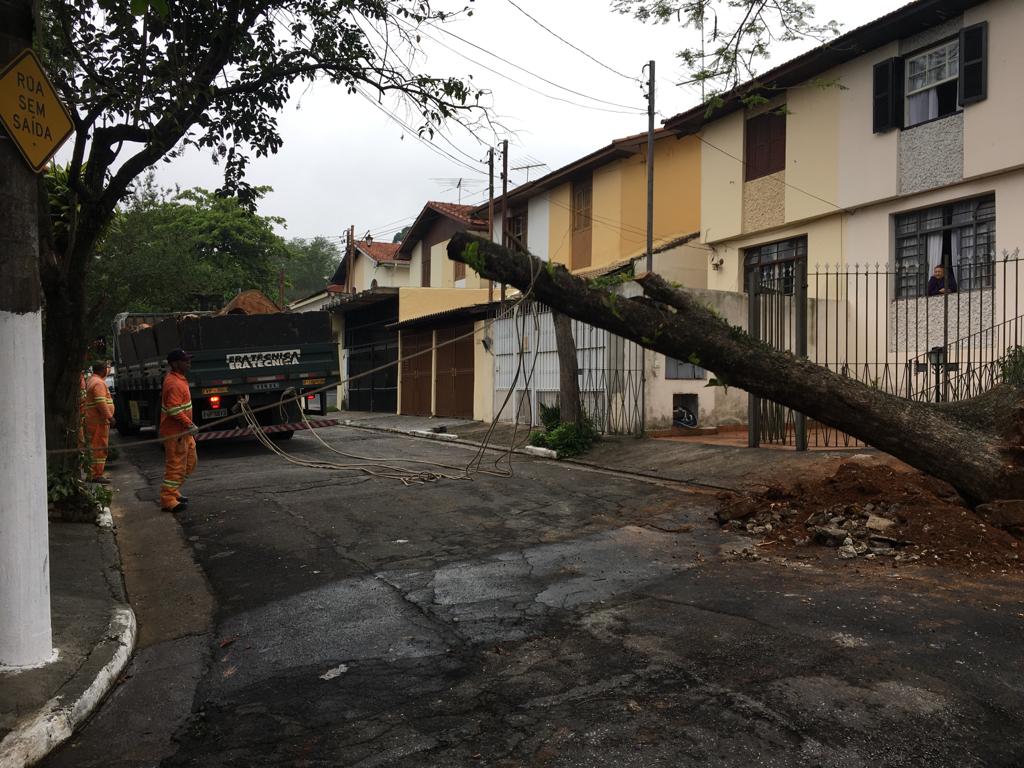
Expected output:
(177, 430)
(99, 415)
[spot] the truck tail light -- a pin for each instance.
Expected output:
(215, 402)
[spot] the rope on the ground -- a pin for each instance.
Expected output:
(391, 467)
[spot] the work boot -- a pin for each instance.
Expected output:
(179, 507)
(183, 499)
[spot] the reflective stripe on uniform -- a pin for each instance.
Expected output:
(171, 483)
(176, 409)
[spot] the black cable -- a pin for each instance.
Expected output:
(575, 48)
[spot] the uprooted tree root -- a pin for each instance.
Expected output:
(869, 511)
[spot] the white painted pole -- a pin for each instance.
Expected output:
(25, 635)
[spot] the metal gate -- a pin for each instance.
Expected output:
(417, 365)
(526, 371)
(371, 352)
(454, 377)
(777, 315)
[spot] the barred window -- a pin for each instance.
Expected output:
(776, 263)
(959, 237)
(677, 369)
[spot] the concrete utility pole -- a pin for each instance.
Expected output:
(490, 213)
(650, 166)
(25, 635)
(504, 202)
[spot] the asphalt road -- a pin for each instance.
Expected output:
(560, 617)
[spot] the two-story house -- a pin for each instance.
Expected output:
(591, 216)
(878, 166)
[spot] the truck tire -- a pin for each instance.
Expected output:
(123, 417)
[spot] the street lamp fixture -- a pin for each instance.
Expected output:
(936, 357)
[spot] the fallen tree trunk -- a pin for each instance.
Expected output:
(975, 445)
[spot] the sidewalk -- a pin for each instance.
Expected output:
(717, 467)
(94, 635)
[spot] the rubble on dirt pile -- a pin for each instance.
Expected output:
(868, 510)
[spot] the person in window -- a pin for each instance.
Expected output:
(940, 283)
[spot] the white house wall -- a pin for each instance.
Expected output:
(538, 221)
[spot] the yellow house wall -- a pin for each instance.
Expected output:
(442, 269)
(483, 374)
(825, 245)
(992, 128)
(867, 163)
(415, 266)
(607, 216)
(620, 204)
(559, 234)
(390, 277)
(417, 302)
(686, 265)
(721, 179)
(812, 150)
(360, 276)
(676, 194)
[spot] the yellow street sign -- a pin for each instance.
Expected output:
(30, 110)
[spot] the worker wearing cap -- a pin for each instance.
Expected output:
(177, 430)
(99, 415)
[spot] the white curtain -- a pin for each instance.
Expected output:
(954, 255)
(922, 106)
(934, 251)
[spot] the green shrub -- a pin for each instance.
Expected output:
(75, 500)
(567, 439)
(1011, 367)
(550, 416)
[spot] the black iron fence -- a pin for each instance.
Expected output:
(942, 344)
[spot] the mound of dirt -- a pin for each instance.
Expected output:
(874, 511)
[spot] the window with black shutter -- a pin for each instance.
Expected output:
(766, 144)
(973, 63)
(887, 108)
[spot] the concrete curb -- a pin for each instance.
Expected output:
(536, 450)
(35, 737)
(444, 436)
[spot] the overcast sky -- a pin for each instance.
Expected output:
(345, 162)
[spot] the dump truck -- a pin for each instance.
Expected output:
(267, 359)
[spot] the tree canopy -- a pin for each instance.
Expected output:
(309, 265)
(736, 36)
(210, 245)
(145, 81)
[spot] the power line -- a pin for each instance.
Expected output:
(575, 48)
(463, 40)
(415, 134)
(743, 163)
(628, 111)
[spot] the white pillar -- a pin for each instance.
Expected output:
(25, 634)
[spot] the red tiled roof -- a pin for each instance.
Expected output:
(461, 213)
(379, 251)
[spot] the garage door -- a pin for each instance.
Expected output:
(376, 391)
(416, 372)
(455, 371)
